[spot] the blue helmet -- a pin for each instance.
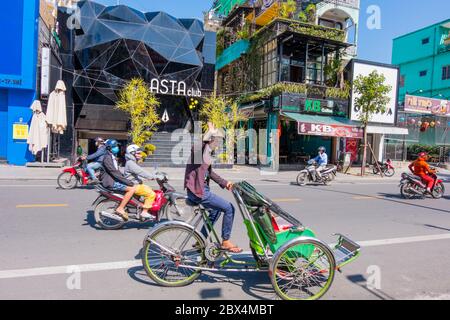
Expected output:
(111, 143)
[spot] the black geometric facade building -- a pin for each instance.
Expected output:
(111, 45)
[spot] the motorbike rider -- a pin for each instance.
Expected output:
(96, 159)
(113, 179)
(422, 169)
(135, 173)
(196, 181)
(322, 161)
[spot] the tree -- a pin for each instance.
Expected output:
(223, 113)
(288, 9)
(371, 98)
(141, 105)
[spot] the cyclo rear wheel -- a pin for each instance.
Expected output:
(302, 269)
(187, 248)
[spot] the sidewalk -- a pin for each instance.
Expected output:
(177, 174)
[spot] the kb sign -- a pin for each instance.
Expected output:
(329, 130)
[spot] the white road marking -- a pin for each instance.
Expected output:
(385, 242)
(46, 271)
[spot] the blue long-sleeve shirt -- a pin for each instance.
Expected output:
(321, 159)
(98, 155)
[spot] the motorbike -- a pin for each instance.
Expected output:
(386, 167)
(299, 265)
(412, 186)
(75, 175)
(309, 174)
(168, 204)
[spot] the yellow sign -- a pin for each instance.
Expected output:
(20, 131)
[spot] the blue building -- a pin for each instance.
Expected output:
(18, 56)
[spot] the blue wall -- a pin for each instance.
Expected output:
(18, 56)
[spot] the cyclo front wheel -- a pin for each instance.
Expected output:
(302, 269)
(171, 253)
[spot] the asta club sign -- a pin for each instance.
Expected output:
(329, 130)
(173, 87)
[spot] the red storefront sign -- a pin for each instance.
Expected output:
(427, 106)
(329, 130)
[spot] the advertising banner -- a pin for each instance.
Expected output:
(391, 75)
(426, 105)
(329, 130)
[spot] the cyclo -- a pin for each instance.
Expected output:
(300, 266)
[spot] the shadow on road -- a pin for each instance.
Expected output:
(436, 227)
(362, 282)
(255, 284)
(90, 221)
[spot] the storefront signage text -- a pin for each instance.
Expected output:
(316, 106)
(330, 130)
(293, 103)
(173, 87)
(20, 131)
(426, 105)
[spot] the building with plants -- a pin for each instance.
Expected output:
(424, 60)
(284, 61)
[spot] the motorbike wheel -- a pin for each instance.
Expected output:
(105, 222)
(326, 179)
(179, 211)
(301, 178)
(404, 191)
(375, 169)
(67, 181)
(389, 172)
(438, 191)
(163, 267)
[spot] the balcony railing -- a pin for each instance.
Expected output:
(345, 3)
(311, 30)
(308, 90)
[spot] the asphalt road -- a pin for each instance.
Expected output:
(44, 232)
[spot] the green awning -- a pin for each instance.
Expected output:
(300, 117)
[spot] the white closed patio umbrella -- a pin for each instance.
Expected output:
(38, 134)
(57, 109)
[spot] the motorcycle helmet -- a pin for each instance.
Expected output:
(423, 155)
(321, 149)
(112, 145)
(133, 148)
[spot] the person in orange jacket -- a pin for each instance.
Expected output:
(421, 168)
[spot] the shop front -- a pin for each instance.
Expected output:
(428, 122)
(18, 68)
(308, 123)
(304, 134)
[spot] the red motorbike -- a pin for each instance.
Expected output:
(168, 204)
(412, 186)
(75, 175)
(386, 167)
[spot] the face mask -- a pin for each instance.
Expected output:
(115, 150)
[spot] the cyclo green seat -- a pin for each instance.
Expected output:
(263, 212)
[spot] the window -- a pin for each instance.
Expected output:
(426, 41)
(423, 73)
(446, 72)
(402, 81)
(269, 64)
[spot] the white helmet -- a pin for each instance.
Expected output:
(133, 148)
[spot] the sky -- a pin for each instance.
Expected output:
(398, 17)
